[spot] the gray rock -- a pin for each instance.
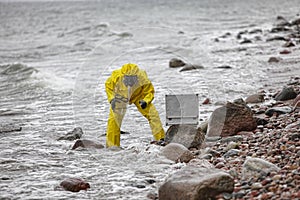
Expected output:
(173, 151)
(188, 67)
(274, 59)
(230, 119)
(286, 93)
(87, 144)
(175, 63)
(224, 67)
(256, 186)
(278, 110)
(210, 151)
(232, 145)
(206, 156)
(235, 138)
(256, 167)
(76, 133)
(194, 183)
(232, 152)
(188, 135)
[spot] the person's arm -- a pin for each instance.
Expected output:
(109, 87)
(148, 89)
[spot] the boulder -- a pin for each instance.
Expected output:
(256, 167)
(87, 144)
(196, 183)
(173, 151)
(76, 133)
(230, 119)
(74, 184)
(175, 63)
(188, 67)
(188, 135)
(286, 93)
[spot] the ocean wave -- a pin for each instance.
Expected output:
(19, 76)
(15, 69)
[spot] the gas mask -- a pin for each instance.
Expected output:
(130, 80)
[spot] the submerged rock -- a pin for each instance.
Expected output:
(194, 183)
(74, 184)
(230, 119)
(87, 144)
(224, 67)
(76, 133)
(188, 67)
(175, 63)
(274, 59)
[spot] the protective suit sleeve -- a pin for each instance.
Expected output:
(148, 89)
(110, 85)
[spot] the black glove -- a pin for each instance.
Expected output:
(162, 142)
(143, 104)
(113, 104)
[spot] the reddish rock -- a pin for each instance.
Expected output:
(255, 98)
(206, 101)
(230, 119)
(285, 52)
(74, 184)
(296, 101)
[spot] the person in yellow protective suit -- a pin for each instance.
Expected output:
(128, 85)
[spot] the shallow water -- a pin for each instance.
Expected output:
(56, 56)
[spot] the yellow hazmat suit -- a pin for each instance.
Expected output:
(122, 94)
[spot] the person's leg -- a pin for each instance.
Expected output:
(152, 115)
(113, 127)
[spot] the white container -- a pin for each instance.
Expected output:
(182, 109)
